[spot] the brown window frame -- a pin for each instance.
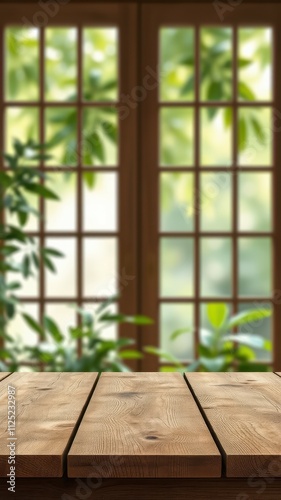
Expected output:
(139, 23)
(194, 15)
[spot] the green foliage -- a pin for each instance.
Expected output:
(57, 349)
(221, 349)
(20, 254)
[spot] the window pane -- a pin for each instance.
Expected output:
(61, 136)
(174, 317)
(216, 136)
(215, 201)
(110, 332)
(20, 331)
(100, 137)
(61, 215)
(216, 64)
(100, 64)
(255, 64)
(255, 267)
(177, 64)
(262, 327)
(216, 267)
(176, 267)
(21, 124)
(61, 64)
(22, 64)
(64, 315)
(255, 136)
(176, 137)
(63, 282)
(177, 202)
(100, 267)
(255, 202)
(100, 202)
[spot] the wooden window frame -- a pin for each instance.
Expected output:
(123, 17)
(194, 15)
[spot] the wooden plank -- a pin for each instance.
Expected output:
(278, 373)
(244, 413)
(48, 409)
(140, 489)
(4, 375)
(143, 425)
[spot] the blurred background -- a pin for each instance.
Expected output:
(60, 202)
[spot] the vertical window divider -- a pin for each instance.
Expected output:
(197, 198)
(41, 167)
(79, 256)
(235, 194)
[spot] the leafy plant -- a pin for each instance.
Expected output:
(20, 255)
(57, 349)
(220, 348)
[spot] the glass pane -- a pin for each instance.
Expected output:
(176, 267)
(215, 201)
(29, 286)
(255, 64)
(216, 136)
(174, 317)
(100, 202)
(61, 64)
(100, 137)
(61, 136)
(61, 215)
(19, 330)
(216, 64)
(255, 205)
(216, 267)
(100, 267)
(255, 136)
(63, 282)
(22, 124)
(176, 137)
(22, 64)
(177, 64)
(177, 202)
(255, 267)
(110, 332)
(262, 327)
(100, 64)
(64, 315)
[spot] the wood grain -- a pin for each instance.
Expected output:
(244, 413)
(150, 489)
(143, 425)
(48, 408)
(4, 375)
(278, 373)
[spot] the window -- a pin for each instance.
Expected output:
(165, 151)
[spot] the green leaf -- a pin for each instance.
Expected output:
(90, 179)
(26, 266)
(188, 86)
(254, 341)
(217, 314)
(259, 132)
(97, 146)
(242, 139)
(53, 252)
(122, 318)
(34, 325)
(242, 63)
(253, 367)
(48, 263)
(227, 117)
(248, 317)
(162, 354)
(41, 190)
(22, 218)
(215, 91)
(179, 332)
(245, 92)
(130, 354)
(53, 329)
(213, 365)
(110, 131)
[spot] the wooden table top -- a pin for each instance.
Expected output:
(143, 425)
